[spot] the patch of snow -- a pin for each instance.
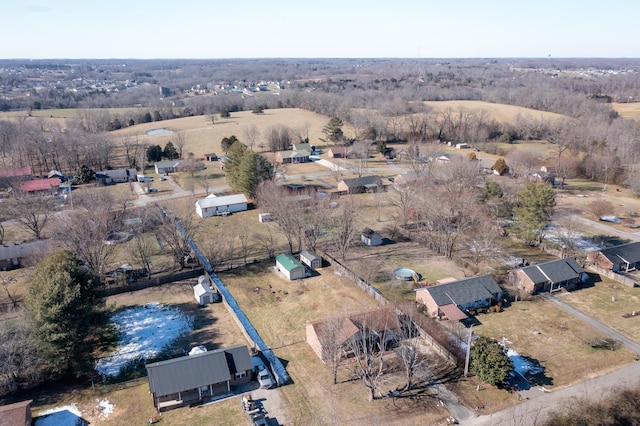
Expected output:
(521, 365)
(144, 332)
(69, 415)
(198, 350)
(105, 407)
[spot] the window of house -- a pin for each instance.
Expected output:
(241, 375)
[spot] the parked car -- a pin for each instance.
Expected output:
(263, 375)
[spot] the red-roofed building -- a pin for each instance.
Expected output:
(38, 185)
(15, 172)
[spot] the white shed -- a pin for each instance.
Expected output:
(217, 206)
(310, 259)
(203, 293)
(371, 237)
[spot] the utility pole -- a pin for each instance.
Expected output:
(468, 357)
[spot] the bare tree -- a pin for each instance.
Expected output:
(332, 336)
(20, 361)
(344, 225)
(250, 135)
(32, 212)
(407, 340)
(167, 231)
(180, 142)
(267, 242)
(369, 346)
(8, 285)
(522, 161)
(245, 243)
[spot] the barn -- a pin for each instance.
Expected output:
(290, 267)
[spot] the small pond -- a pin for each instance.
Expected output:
(158, 131)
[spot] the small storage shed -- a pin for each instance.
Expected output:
(203, 293)
(290, 267)
(310, 259)
(371, 237)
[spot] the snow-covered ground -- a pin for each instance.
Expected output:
(144, 332)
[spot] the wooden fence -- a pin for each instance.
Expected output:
(382, 301)
(140, 284)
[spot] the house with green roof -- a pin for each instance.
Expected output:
(290, 266)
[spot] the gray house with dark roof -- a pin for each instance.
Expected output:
(548, 276)
(453, 298)
(622, 258)
(361, 184)
(197, 378)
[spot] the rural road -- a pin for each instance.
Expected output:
(535, 410)
(608, 230)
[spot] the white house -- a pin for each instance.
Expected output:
(371, 237)
(217, 206)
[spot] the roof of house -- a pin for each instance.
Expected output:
(377, 320)
(464, 291)
(39, 184)
(293, 154)
(309, 255)
(369, 233)
(200, 289)
(288, 262)
(362, 181)
(167, 164)
(191, 372)
(15, 171)
(211, 154)
(15, 414)
(629, 252)
(225, 200)
(554, 271)
(117, 173)
(302, 147)
(54, 173)
(339, 150)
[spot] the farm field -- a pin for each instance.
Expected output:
(628, 110)
(500, 112)
(539, 330)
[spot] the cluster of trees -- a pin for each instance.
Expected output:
(58, 333)
(246, 169)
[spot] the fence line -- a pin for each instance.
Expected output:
(623, 279)
(378, 297)
(139, 285)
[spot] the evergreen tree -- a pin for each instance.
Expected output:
(489, 362)
(333, 130)
(536, 201)
(154, 153)
(66, 313)
(246, 169)
(83, 175)
(170, 152)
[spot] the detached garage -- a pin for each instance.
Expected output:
(290, 267)
(203, 293)
(310, 259)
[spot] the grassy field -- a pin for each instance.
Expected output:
(539, 330)
(502, 113)
(608, 301)
(628, 110)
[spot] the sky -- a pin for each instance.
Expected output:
(146, 29)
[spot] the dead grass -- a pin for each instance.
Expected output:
(628, 110)
(500, 112)
(557, 340)
(608, 301)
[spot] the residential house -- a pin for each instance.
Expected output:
(370, 237)
(290, 266)
(40, 185)
(621, 258)
(55, 173)
(302, 147)
(380, 324)
(292, 157)
(166, 167)
(211, 157)
(221, 205)
(452, 299)
(107, 177)
(339, 152)
(198, 378)
(17, 414)
(548, 276)
(310, 259)
(405, 178)
(360, 185)
(12, 255)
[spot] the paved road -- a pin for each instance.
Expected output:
(535, 410)
(608, 230)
